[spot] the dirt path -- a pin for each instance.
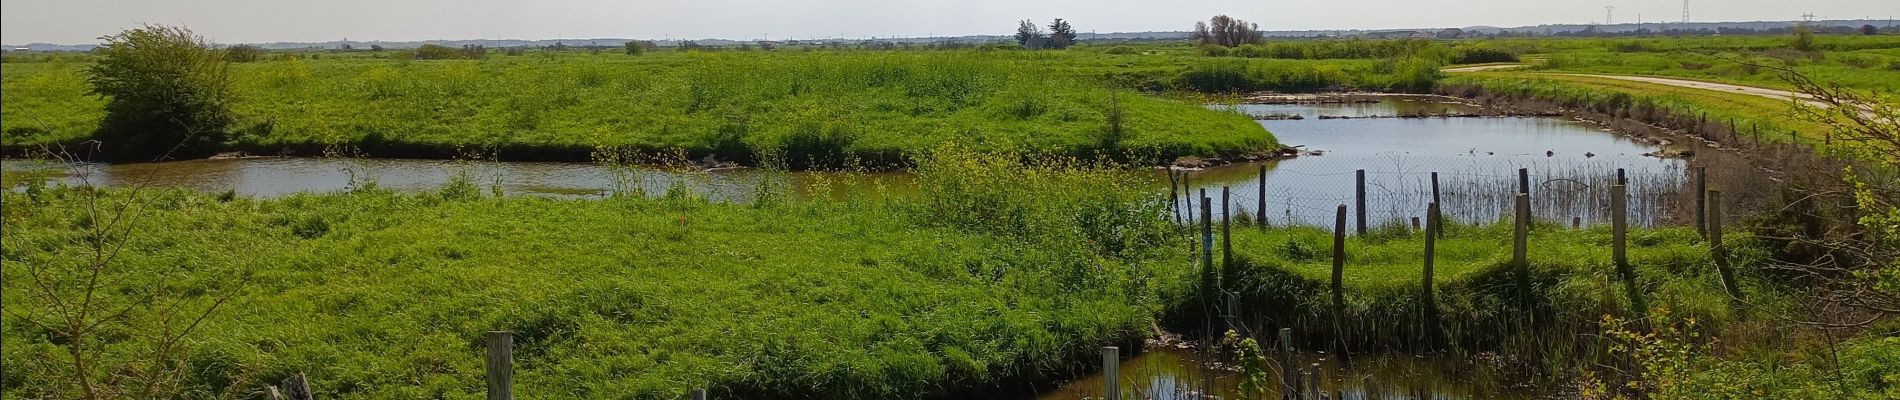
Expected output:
(1479, 68)
(1776, 94)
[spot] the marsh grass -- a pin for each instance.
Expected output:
(1281, 275)
(820, 110)
(375, 293)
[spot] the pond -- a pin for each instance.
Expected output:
(1171, 373)
(1570, 165)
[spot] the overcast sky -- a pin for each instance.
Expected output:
(255, 21)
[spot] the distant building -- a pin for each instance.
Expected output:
(1451, 33)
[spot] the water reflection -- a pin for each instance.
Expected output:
(1571, 166)
(1169, 374)
(274, 177)
(1390, 107)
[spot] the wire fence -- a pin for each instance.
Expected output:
(1470, 190)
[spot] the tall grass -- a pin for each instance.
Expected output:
(378, 294)
(820, 109)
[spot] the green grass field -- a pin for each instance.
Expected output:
(376, 294)
(1864, 62)
(823, 108)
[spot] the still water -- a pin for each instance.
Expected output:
(1167, 373)
(1570, 164)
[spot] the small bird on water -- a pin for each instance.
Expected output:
(1549, 153)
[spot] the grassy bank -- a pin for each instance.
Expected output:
(1864, 62)
(1730, 115)
(813, 109)
(377, 294)
(1284, 274)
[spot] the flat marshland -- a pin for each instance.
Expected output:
(1029, 232)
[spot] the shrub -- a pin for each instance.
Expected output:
(243, 53)
(1287, 77)
(1212, 50)
(1480, 55)
(1216, 76)
(1803, 39)
(436, 52)
(167, 92)
(474, 51)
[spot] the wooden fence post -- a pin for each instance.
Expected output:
(297, 387)
(1415, 225)
(1339, 275)
(1187, 194)
(1719, 251)
(501, 369)
(1359, 199)
(1174, 195)
(1520, 248)
(1576, 222)
(1619, 250)
(1431, 256)
(699, 394)
(1207, 237)
(1438, 219)
(1260, 203)
(1701, 202)
(1289, 387)
(1226, 233)
(1210, 276)
(1111, 373)
(1524, 180)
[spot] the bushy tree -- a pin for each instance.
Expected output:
(637, 47)
(166, 91)
(436, 52)
(243, 53)
(1803, 39)
(1028, 34)
(1061, 35)
(474, 51)
(1227, 31)
(1869, 30)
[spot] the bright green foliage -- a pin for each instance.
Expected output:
(1675, 361)
(383, 295)
(1284, 271)
(1254, 370)
(818, 108)
(1242, 75)
(166, 93)
(1864, 62)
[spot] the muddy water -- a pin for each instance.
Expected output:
(1170, 374)
(1570, 165)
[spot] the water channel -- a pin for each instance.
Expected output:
(1570, 164)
